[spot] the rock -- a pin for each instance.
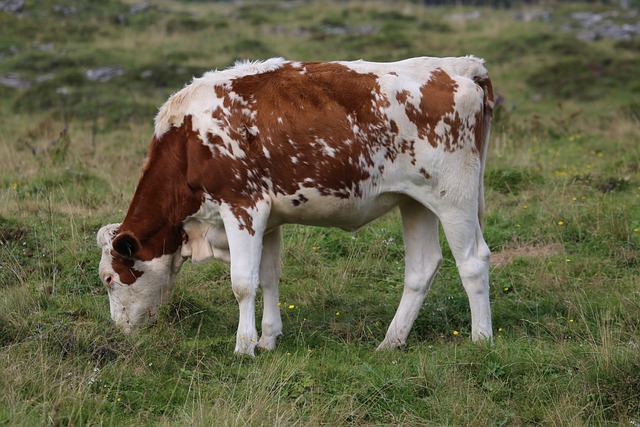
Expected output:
(104, 74)
(12, 6)
(595, 26)
(468, 16)
(533, 15)
(330, 30)
(14, 81)
(65, 10)
(137, 8)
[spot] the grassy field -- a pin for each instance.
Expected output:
(563, 222)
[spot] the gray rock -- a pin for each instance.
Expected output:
(104, 74)
(609, 25)
(137, 8)
(14, 81)
(12, 6)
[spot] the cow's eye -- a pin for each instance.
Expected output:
(108, 280)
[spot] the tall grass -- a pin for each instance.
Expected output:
(563, 218)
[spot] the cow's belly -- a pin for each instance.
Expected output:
(329, 211)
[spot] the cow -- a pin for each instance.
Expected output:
(238, 153)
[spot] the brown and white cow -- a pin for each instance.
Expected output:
(237, 153)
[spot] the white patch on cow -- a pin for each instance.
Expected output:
(330, 211)
(415, 68)
(247, 67)
(137, 303)
(206, 236)
(326, 148)
(280, 120)
(294, 160)
(253, 130)
(106, 234)
(443, 129)
(468, 98)
(266, 152)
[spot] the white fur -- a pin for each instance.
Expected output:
(131, 305)
(206, 236)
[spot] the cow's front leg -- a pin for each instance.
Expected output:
(245, 247)
(270, 269)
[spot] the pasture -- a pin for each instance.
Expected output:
(80, 83)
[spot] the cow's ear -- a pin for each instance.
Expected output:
(106, 234)
(126, 244)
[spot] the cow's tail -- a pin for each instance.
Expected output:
(484, 82)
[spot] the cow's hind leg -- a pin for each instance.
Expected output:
(270, 270)
(464, 234)
(422, 258)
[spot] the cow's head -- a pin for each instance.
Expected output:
(136, 287)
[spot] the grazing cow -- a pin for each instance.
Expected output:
(237, 153)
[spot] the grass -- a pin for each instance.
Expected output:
(563, 216)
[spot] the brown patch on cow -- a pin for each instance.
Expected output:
(394, 127)
(328, 106)
(487, 107)
(507, 256)
(424, 173)
(436, 104)
(124, 268)
(299, 200)
(163, 198)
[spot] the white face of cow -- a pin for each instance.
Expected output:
(136, 288)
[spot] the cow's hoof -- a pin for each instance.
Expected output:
(246, 348)
(269, 342)
(391, 344)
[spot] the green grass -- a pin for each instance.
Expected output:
(562, 220)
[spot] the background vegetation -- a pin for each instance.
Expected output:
(79, 86)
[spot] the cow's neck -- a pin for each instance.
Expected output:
(163, 199)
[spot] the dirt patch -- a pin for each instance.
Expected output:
(506, 257)
(9, 234)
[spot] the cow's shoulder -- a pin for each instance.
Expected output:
(197, 96)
